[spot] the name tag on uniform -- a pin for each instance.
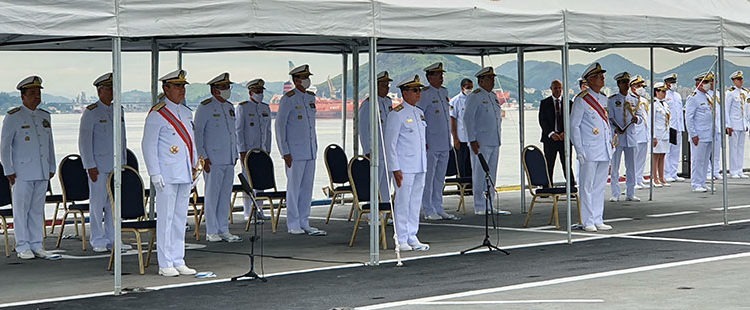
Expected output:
(618, 103)
(217, 115)
(25, 127)
(409, 120)
(102, 120)
(252, 114)
(45, 123)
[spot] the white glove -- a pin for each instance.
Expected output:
(581, 157)
(158, 182)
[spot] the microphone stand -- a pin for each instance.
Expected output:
(250, 274)
(489, 211)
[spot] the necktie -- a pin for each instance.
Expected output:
(558, 116)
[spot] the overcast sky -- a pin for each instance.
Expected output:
(69, 73)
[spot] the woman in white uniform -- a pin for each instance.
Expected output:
(661, 134)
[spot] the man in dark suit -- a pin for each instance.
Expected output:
(553, 132)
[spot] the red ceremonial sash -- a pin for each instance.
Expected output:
(596, 106)
(180, 128)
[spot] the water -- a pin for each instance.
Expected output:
(65, 131)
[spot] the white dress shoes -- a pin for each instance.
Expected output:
(168, 272)
(185, 270)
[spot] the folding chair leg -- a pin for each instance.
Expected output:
(83, 231)
(383, 239)
(278, 215)
(555, 212)
(140, 252)
(5, 233)
(54, 218)
(111, 259)
(62, 229)
(44, 225)
(150, 247)
(274, 217)
(528, 214)
(330, 209)
(356, 227)
(351, 213)
(231, 207)
(75, 223)
(578, 202)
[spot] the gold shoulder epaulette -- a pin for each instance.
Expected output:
(158, 106)
(398, 107)
(289, 93)
(14, 110)
(732, 88)
(91, 106)
(43, 110)
(205, 102)
(745, 89)
(244, 102)
(310, 93)
(583, 93)
(476, 91)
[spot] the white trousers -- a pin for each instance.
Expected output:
(407, 203)
(432, 197)
(641, 152)
(100, 213)
(673, 158)
(491, 154)
(736, 152)
(218, 196)
(28, 214)
(614, 183)
(699, 162)
(592, 179)
(299, 193)
(171, 209)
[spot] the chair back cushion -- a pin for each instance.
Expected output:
(132, 201)
(132, 160)
(535, 166)
(5, 196)
(336, 161)
(452, 167)
(260, 169)
(74, 179)
(359, 176)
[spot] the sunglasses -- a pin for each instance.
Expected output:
(414, 89)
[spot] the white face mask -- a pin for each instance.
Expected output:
(673, 87)
(467, 91)
(257, 97)
(306, 83)
(226, 93)
(641, 92)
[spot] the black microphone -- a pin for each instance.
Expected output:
(485, 167)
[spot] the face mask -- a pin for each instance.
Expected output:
(467, 91)
(306, 83)
(257, 97)
(641, 92)
(226, 93)
(673, 87)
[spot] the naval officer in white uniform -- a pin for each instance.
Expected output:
(623, 116)
(592, 139)
(677, 123)
(699, 120)
(96, 146)
(384, 106)
(170, 156)
(458, 128)
(27, 152)
(643, 129)
(298, 144)
(737, 124)
(483, 120)
(406, 154)
(434, 104)
(216, 143)
(253, 132)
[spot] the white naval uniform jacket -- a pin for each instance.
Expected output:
(164, 151)
(215, 135)
(699, 117)
(96, 138)
(458, 108)
(620, 116)
(483, 118)
(642, 129)
(253, 125)
(434, 104)
(661, 124)
(385, 106)
(674, 100)
(735, 109)
(590, 134)
(295, 125)
(405, 139)
(26, 146)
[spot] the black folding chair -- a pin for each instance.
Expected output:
(6, 209)
(132, 213)
(57, 199)
(132, 161)
(336, 162)
(75, 188)
(452, 178)
(359, 176)
(259, 167)
(540, 185)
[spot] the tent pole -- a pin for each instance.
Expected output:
(521, 124)
(566, 122)
(722, 101)
(355, 98)
(650, 141)
(179, 59)
(481, 60)
(154, 100)
(117, 124)
(344, 72)
(375, 155)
